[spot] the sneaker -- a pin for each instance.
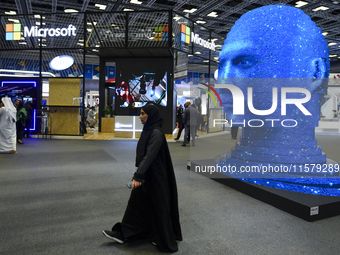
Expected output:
(183, 144)
(176, 139)
(114, 235)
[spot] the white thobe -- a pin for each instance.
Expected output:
(8, 134)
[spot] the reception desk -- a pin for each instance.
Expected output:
(128, 126)
(108, 125)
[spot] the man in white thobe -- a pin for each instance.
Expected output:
(8, 134)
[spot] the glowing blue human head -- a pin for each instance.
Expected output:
(274, 41)
(266, 48)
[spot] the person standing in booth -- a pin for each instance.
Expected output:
(21, 117)
(28, 120)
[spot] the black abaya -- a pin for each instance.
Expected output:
(153, 207)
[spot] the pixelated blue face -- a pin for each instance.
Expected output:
(267, 46)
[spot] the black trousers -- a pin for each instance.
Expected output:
(20, 130)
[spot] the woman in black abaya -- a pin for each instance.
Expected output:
(152, 210)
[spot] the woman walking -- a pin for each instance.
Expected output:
(152, 210)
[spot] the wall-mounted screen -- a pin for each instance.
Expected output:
(141, 80)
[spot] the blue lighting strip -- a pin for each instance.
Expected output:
(19, 82)
(34, 83)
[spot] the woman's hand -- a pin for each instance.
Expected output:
(135, 184)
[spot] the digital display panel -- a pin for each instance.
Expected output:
(140, 81)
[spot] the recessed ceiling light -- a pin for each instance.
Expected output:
(320, 8)
(213, 14)
(135, 2)
(332, 43)
(325, 33)
(332, 56)
(70, 11)
(100, 6)
(190, 11)
(299, 4)
(14, 20)
(128, 10)
(201, 22)
(37, 16)
(11, 13)
(197, 52)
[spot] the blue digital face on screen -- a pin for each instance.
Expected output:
(275, 46)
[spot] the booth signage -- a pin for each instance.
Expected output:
(60, 63)
(186, 35)
(13, 31)
(35, 31)
(204, 43)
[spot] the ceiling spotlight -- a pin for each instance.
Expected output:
(320, 8)
(213, 14)
(135, 2)
(11, 13)
(100, 6)
(300, 4)
(201, 22)
(70, 11)
(14, 20)
(332, 43)
(325, 33)
(190, 11)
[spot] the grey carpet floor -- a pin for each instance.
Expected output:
(56, 197)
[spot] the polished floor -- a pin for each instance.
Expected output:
(57, 196)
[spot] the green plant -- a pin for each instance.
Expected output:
(107, 110)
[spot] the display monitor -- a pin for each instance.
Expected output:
(140, 81)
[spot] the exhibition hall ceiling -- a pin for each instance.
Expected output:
(217, 15)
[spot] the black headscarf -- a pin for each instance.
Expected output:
(155, 118)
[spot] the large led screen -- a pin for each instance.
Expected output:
(140, 81)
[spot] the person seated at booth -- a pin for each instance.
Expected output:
(91, 117)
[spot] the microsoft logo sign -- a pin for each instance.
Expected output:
(13, 32)
(161, 33)
(188, 37)
(185, 34)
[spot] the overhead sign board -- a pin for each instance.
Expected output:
(60, 63)
(13, 31)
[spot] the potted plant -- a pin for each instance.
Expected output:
(107, 111)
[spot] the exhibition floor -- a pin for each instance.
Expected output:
(58, 195)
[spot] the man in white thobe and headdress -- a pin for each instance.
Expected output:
(8, 134)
